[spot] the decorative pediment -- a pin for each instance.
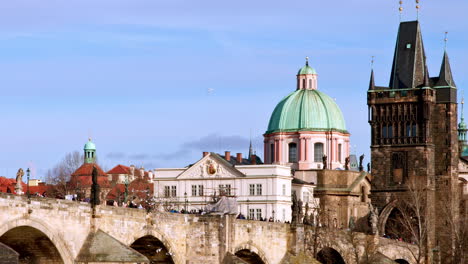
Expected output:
(211, 166)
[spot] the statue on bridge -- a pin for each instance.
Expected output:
(361, 159)
(19, 181)
(294, 209)
(324, 161)
(373, 219)
(300, 213)
(95, 190)
(346, 164)
(306, 219)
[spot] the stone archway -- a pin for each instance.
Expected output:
(26, 232)
(154, 249)
(251, 254)
(177, 256)
(401, 261)
(329, 255)
(32, 245)
(383, 216)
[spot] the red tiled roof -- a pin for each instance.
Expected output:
(8, 185)
(119, 169)
(87, 181)
(136, 188)
(41, 189)
(87, 169)
(82, 177)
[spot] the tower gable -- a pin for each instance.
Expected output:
(409, 62)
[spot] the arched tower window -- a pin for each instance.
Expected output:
(272, 153)
(318, 152)
(363, 194)
(339, 152)
(292, 152)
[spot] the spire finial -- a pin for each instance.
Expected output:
(89, 138)
(401, 9)
(445, 40)
(462, 103)
(417, 9)
(307, 61)
(372, 62)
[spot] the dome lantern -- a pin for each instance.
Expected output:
(307, 77)
(89, 152)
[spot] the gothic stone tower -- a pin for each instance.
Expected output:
(414, 133)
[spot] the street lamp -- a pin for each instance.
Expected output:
(126, 189)
(186, 201)
(273, 215)
(28, 171)
(248, 211)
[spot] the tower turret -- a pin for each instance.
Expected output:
(462, 133)
(89, 152)
(306, 77)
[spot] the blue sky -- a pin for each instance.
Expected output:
(134, 75)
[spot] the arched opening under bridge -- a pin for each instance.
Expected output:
(329, 255)
(153, 249)
(401, 261)
(249, 256)
(32, 245)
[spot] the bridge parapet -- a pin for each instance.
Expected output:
(187, 238)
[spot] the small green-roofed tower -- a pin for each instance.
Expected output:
(89, 152)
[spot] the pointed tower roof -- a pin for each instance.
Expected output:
(409, 62)
(445, 76)
(427, 82)
(251, 152)
(372, 82)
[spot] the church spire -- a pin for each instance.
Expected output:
(409, 61)
(372, 82)
(251, 151)
(445, 76)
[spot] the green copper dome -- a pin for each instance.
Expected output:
(306, 70)
(89, 145)
(307, 110)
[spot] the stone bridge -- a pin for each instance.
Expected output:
(46, 230)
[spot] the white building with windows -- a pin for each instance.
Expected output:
(261, 191)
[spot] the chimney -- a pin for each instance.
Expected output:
(227, 155)
(205, 153)
(253, 159)
(239, 158)
(150, 175)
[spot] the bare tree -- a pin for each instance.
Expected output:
(59, 175)
(410, 221)
(455, 234)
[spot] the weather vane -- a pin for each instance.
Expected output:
(372, 62)
(445, 40)
(417, 9)
(401, 9)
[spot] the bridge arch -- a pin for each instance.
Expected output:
(401, 261)
(329, 255)
(384, 214)
(37, 229)
(153, 249)
(250, 248)
(176, 255)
